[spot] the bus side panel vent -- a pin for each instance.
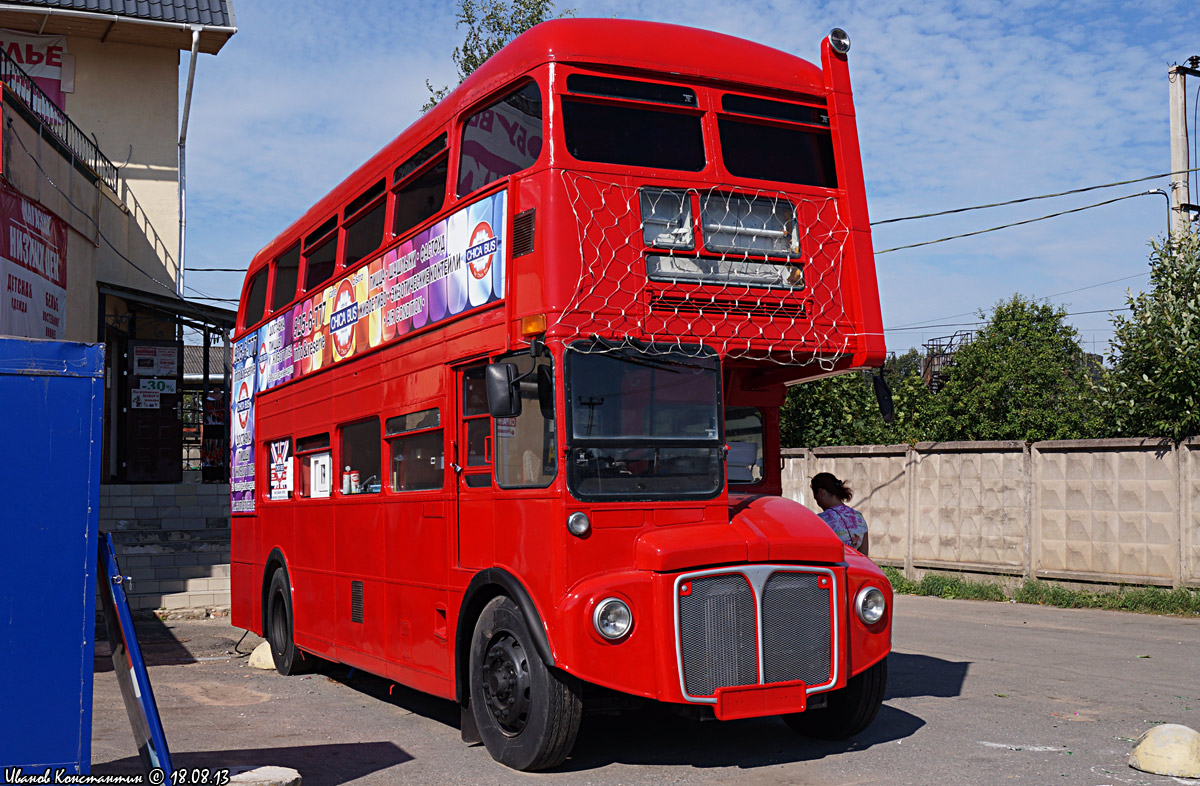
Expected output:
(522, 236)
(356, 601)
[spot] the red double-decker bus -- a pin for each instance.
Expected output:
(506, 401)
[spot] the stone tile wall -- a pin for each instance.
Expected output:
(173, 541)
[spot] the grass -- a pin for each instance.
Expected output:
(1145, 600)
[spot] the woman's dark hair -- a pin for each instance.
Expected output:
(829, 483)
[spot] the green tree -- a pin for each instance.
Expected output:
(843, 410)
(1023, 376)
(490, 25)
(1153, 388)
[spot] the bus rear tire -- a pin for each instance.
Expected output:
(850, 710)
(288, 658)
(527, 713)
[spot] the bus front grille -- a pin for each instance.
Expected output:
(726, 618)
(717, 634)
(796, 628)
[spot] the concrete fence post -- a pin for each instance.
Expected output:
(1027, 560)
(910, 478)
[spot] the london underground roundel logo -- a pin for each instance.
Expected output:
(243, 405)
(480, 249)
(343, 319)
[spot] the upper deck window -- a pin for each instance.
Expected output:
(502, 139)
(287, 272)
(606, 87)
(320, 254)
(633, 135)
(420, 186)
(774, 140)
(256, 298)
(364, 224)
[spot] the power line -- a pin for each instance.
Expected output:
(986, 322)
(217, 299)
(1033, 198)
(216, 270)
(1041, 297)
(1013, 224)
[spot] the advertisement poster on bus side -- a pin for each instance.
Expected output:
(33, 267)
(241, 424)
(456, 265)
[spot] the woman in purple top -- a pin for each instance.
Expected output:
(846, 522)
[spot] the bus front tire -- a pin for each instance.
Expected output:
(849, 711)
(528, 714)
(288, 658)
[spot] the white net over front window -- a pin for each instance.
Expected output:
(751, 274)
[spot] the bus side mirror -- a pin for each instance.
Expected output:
(503, 396)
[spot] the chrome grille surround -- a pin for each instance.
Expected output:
(784, 663)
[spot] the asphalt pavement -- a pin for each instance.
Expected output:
(978, 693)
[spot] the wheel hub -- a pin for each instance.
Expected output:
(506, 683)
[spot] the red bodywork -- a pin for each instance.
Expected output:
(417, 553)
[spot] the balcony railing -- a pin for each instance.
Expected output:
(79, 144)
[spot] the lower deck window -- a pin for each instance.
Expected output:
(417, 448)
(316, 466)
(360, 458)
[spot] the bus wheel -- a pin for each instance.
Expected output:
(528, 715)
(287, 657)
(850, 710)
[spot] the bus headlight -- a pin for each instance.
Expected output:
(870, 605)
(578, 524)
(612, 618)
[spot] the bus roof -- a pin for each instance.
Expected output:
(612, 43)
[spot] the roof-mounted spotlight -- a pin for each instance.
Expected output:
(839, 39)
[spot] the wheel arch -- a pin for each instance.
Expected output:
(484, 586)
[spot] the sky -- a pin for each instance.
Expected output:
(958, 104)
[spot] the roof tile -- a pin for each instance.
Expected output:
(215, 13)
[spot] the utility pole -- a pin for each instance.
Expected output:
(1181, 207)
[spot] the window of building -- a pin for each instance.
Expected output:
(364, 224)
(256, 298)
(744, 435)
(502, 139)
(320, 254)
(417, 450)
(287, 273)
(526, 453)
(360, 458)
(316, 466)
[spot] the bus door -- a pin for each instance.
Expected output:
(474, 452)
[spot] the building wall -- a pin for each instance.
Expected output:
(105, 241)
(128, 96)
(1113, 510)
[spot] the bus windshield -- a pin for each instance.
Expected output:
(644, 424)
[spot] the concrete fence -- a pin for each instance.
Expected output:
(1111, 510)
